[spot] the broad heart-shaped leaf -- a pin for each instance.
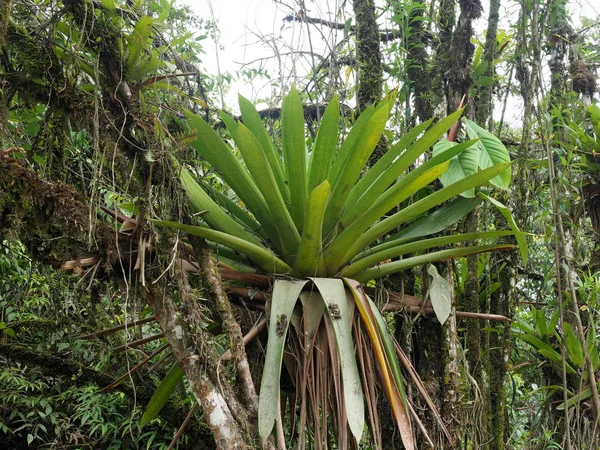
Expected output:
(511, 221)
(162, 394)
(254, 122)
(491, 152)
(294, 155)
(285, 296)
(334, 295)
(260, 170)
(325, 145)
(440, 295)
(213, 215)
(461, 166)
(259, 254)
(389, 380)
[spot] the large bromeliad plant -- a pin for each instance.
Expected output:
(320, 224)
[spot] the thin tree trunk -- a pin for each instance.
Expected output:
(459, 78)
(484, 106)
(368, 54)
(450, 386)
(368, 59)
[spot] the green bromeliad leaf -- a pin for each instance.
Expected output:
(319, 234)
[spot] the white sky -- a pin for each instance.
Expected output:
(252, 29)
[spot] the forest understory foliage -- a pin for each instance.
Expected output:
(372, 255)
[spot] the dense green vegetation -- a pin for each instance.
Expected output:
(176, 275)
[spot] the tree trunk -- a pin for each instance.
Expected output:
(459, 78)
(368, 59)
(484, 105)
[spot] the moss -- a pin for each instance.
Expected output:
(51, 219)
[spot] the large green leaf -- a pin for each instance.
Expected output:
(138, 40)
(294, 155)
(354, 160)
(285, 296)
(574, 347)
(380, 191)
(579, 397)
(212, 214)
(461, 166)
(362, 241)
(408, 263)
(235, 210)
(491, 152)
(162, 394)
(325, 145)
(334, 257)
(309, 261)
(254, 122)
(260, 170)
(388, 251)
(345, 246)
(334, 295)
(259, 254)
(438, 220)
(392, 156)
(220, 156)
(545, 350)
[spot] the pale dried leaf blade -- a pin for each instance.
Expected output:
(440, 294)
(285, 295)
(334, 296)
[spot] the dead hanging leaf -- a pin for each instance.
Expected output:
(440, 295)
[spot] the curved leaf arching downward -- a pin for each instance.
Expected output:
(285, 296)
(334, 295)
(383, 356)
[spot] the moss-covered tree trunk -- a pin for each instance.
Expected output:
(459, 78)
(368, 60)
(58, 225)
(418, 69)
(484, 105)
(368, 54)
